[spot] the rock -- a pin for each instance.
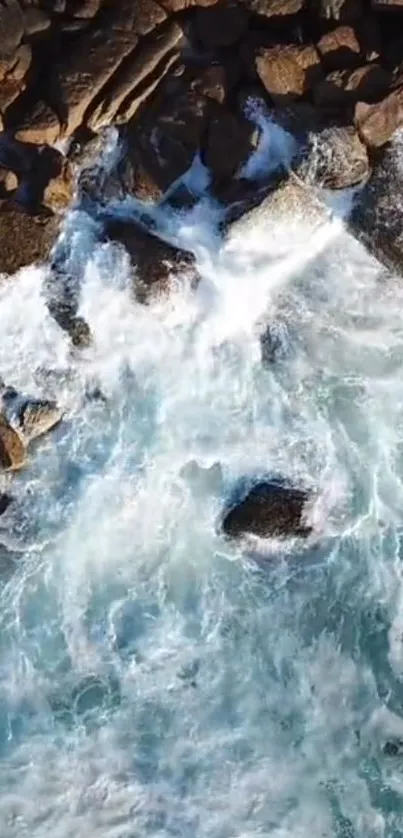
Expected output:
(377, 123)
(339, 49)
(172, 6)
(386, 5)
(213, 82)
(135, 180)
(229, 142)
(345, 11)
(336, 159)
(393, 748)
(157, 262)
(31, 417)
(11, 27)
(345, 88)
(291, 202)
(35, 21)
(288, 72)
(273, 344)
(12, 449)
(39, 125)
(376, 218)
(25, 239)
(88, 8)
(221, 25)
(275, 8)
(170, 132)
(5, 501)
(127, 87)
(269, 510)
(181, 198)
(96, 55)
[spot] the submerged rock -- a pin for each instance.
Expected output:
(270, 510)
(25, 239)
(12, 448)
(156, 260)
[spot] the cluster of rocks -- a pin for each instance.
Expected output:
(176, 78)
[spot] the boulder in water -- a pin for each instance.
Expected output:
(156, 260)
(33, 417)
(270, 509)
(12, 448)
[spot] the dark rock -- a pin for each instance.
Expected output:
(335, 159)
(275, 8)
(5, 501)
(25, 239)
(344, 88)
(339, 49)
(35, 21)
(387, 5)
(393, 748)
(288, 72)
(345, 11)
(213, 82)
(269, 509)
(62, 292)
(181, 198)
(12, 448)
(229, 142)
(39, 124)
(221, 25)
(172, 6)
(377, 219)
(273, 343)
(157, 262)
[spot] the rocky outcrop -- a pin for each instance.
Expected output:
(335, 158)
(158, 264)
(12, 448)
(269, 510)
(377, 123)
(25, 239)
(288, 72)
(30, 416)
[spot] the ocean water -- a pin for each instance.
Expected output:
(155, 679)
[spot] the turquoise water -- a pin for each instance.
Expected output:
(156, 680)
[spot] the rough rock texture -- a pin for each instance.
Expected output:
(275, 8)
(229, 142)
(25, 239)
(288, 72)
(12, 449)
(377, 123)
(341, 10)
(30, 416)
(344, 88)
(336, 159)
(158, 264)
(377, 218)
(270, 509)
(339, 49)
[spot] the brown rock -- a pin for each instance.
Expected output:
(288, 72)
(230, 141)
(88, 8)
(335, 159)
(25, 239)
(275, 8)
(11, 27)
(40, 125)
(339, 49)
(58, 191)
(172, 6)
(221, 25)
(21, 62)
(130, 82)
(97, 54)
(134, 178)
(12, 449)
(212, 83)
(377, 123)
(158, 264)
(35, 21)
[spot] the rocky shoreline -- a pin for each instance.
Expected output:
(176, 79)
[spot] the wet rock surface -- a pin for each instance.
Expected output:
(269, 509)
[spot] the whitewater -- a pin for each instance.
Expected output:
(155, 678)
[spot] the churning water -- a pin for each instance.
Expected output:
(156, 680)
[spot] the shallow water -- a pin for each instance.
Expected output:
(156, 680)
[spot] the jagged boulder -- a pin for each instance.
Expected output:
(30, 416)
(270, 509)
(158, 264)
(12, 448)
